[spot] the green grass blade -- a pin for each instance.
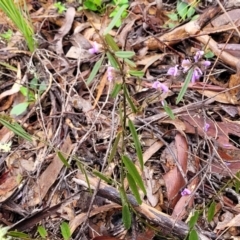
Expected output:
(131, 168)
(95, 70)
(136, 142)
(17, 129)
(101, 176)
(83, 170)
(185, 86)
(63, 159)
(115, 19)
(134, 188)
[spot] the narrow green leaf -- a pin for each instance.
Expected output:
(136, 142)
(124, 54)
(17, 234)
(112, 60)
(63, 159)
(126, 216)
(24, 91)
(136, 73)
(193, 219)
(83, 170)
(134, 188)
(95, 70)
(185, 86)
(42, 231)
(173, 16)
(116, 90)
(134, 109)
(168, 110)
(110, 41)
(134, 172)
(114, 147)
(101, 176)
(65, 230)
(193, 235)
(19, 108)
(17, 129)
(130, 63)
(8, 66)
(237, 182)
(211, 211)
(115, 19)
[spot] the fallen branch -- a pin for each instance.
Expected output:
(168, 224)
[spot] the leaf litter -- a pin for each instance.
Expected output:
(188, 132)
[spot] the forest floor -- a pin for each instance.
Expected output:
(122, 121)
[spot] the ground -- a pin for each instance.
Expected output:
(120, 120)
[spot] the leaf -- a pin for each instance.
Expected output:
(209, 54)
(65, 230)
(124, 54)
(115, 19)
(190, 11)
(193, 219)
(168, 110)
(42, 231)
(182, 9)
(185, 86)
(116, 90)
(17, 234)
(17, 129)
(126, 216)
(95, 70)
(134, 188)
(112, 60)
(193, 235)
(33, 84)
(130, 63)
(134, 173)
(101, 176)
(136, 73)
(237, 182)
(211, 211)
(134, 109)
(114, 147)
(83, 170)
(173, 16)
(63, 159)
(19, 108)
(24, 91)
(112, 44)
(136, 143)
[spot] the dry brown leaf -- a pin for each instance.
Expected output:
(41, 187)
(151, 150)
(173, 179)
(101, 87)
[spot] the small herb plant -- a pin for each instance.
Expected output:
(60, 7)
(183, 11)
(7, 35)
(31, 94)
(98, 6)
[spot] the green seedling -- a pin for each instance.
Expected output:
(60, 7)
(31, 95)
(7, 35)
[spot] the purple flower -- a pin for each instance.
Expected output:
(163, 87)
(198, 55)
(185, 192)
(173, 71)
(206, 64)
(110, 73)
(94, 49)
(197, 73)
(206, 127)
(186, 64)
